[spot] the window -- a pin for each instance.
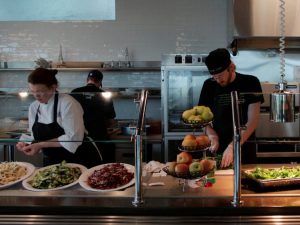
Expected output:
(57, 10)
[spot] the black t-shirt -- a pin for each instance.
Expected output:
(97, 110)
(218, 99)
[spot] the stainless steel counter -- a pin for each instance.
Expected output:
(169, 204)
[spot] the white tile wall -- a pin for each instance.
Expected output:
(147, 28)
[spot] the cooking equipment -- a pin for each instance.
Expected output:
(282, 107)
(277, 140)
(256, 18)
(282, 101)
(182, 77)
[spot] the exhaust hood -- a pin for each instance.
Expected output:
(257, 23)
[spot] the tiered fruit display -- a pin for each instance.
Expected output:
(192, 142)
(187, 167)
(198, 114)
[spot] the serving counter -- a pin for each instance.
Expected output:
(162, 204)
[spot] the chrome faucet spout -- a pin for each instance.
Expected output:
(138, 144)
(236, 150)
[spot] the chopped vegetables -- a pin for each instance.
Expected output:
(276, 173)
(110, 176)
(55, 176)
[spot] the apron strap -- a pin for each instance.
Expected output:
(54, 109)
(96, 147)
(55, 106)
(36, 115)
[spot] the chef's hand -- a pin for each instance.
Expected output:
(32, 149)
(214, 143)
(21, 145)
(227, 158)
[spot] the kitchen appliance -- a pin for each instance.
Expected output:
(282, 101)
(277, 140)
(256, 18)
(182, 77)
(257, 23)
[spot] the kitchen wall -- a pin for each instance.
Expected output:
(12, 82)
(266, 64)
(147, 28)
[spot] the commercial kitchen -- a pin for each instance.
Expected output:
(152, 55)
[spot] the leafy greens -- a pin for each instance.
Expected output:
(55, 176)
(276, 173)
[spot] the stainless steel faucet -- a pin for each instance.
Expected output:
(236, 150)
(138, 149)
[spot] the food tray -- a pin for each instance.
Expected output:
(188, 175)
(268, 183)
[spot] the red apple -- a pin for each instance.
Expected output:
(195, 167)
(184, 157)
(189, 136)
(207, 165)
(202, 140)
(181, 168)
(171, 166)
(189, 143)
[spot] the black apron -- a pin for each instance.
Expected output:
(86, 154)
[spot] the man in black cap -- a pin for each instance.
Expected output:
(216, 94)
(99, 113)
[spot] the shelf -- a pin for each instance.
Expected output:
(142, 66)
(137, 69)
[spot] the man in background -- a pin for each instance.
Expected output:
(216, 94)
(99, 113)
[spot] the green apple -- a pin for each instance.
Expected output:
(195, 167)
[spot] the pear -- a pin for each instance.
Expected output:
(187, 113)
(199, 109)
(198, 119)
(207, 115)
(192, 118)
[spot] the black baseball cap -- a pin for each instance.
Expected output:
(218, 60)
(95, 74)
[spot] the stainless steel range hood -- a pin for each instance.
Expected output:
(257, 23)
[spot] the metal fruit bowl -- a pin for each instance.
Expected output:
(199, 148)
(188, 175)
(194, 123)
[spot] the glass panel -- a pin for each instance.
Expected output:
(15, 125)
(183, 92)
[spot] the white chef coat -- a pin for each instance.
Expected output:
(69, 117)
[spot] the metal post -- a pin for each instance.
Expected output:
(236, 150)
(9, 153)
(138, 195)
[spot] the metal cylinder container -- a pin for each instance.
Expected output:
(282, 105)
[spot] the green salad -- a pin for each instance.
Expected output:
(55, 176)
(276, 173)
